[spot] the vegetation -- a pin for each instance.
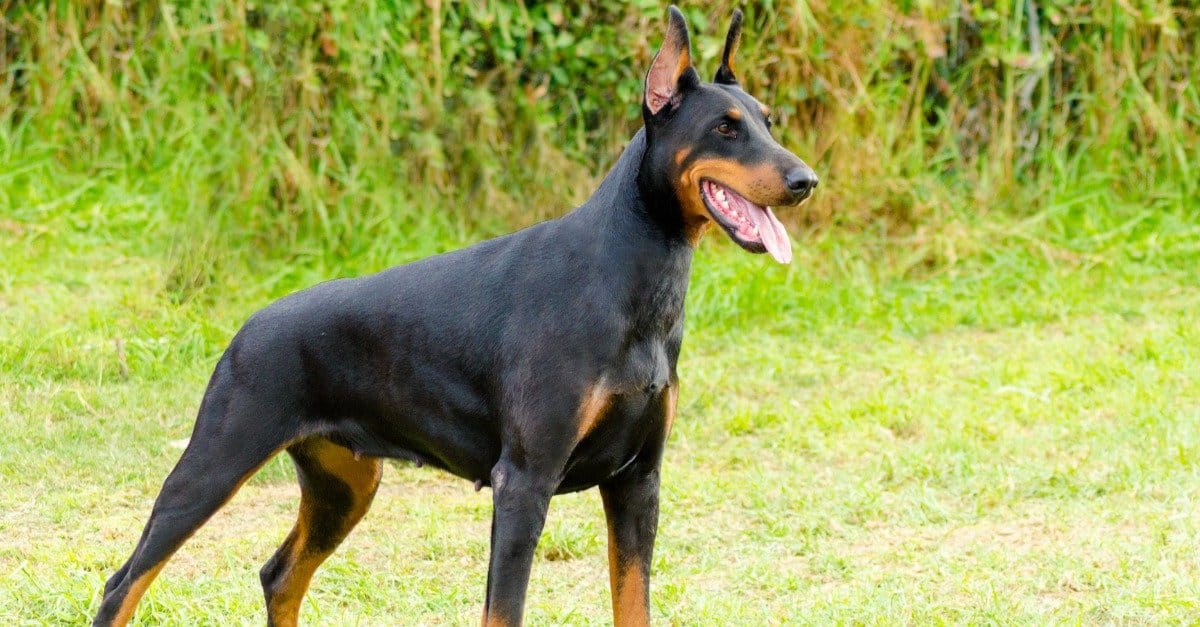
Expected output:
(972, 397)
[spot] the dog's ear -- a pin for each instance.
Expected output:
(671, 73)
(725, 74)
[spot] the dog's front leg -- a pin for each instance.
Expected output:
(631, 507)
(520, 499)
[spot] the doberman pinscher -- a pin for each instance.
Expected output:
(537, 363)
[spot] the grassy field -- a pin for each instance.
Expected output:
(974, 397)
(1012, 437)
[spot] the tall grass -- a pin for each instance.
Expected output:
(277, 130)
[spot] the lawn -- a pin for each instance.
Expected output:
(997, 420)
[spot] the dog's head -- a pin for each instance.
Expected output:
(712, 142)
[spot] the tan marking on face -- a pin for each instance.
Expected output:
(596, 401)
(734, 113)
(760, 184)
(766, 111)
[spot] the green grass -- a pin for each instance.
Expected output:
(1012, 437)
(972, 398)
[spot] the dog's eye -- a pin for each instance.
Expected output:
(726, 129)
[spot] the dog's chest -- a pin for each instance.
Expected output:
(643, 369)
(620, 412)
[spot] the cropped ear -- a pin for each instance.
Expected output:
(671, 73)
(725, 74)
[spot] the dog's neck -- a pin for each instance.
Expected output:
(634, 232)
(636, 194)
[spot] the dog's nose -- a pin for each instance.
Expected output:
(801, 181)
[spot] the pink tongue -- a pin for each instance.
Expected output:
(773, 235)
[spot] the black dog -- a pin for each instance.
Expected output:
(537, 363)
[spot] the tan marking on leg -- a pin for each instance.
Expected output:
(136, 590)
(139, 586)
(362, 476)
(630, 607)
(596, 402)
(628, 585)
(284, 606)
(614, 567)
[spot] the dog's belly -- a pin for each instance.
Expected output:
(434, 417)
(458, 449)
(464, 454)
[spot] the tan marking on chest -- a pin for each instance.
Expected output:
(670, 402)
(596, 401)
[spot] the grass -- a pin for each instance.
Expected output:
(1014, 437)
(972, 398)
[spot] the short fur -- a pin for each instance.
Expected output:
(536, 363)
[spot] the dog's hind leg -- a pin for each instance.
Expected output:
(336, 489)
(235, 434)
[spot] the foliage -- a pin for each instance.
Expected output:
(280, 129)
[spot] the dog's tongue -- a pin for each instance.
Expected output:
(773, 235)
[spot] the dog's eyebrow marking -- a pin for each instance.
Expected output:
(765, 110)
(734, 113)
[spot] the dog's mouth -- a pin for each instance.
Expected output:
(754, 227)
